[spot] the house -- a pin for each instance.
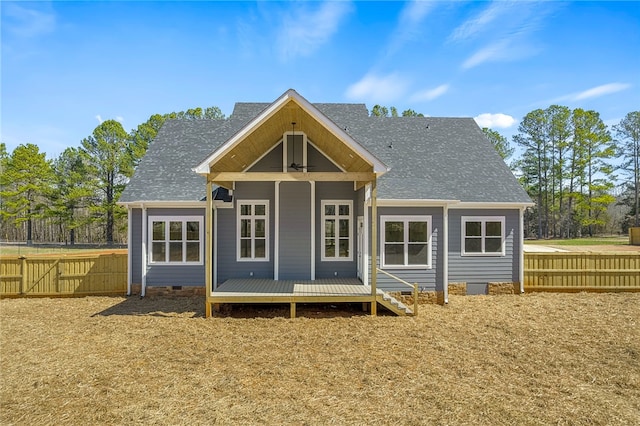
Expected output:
(299, 202)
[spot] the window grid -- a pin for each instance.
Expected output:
(483, 236)
(337, 230)
(253, 225)
(406, 242)
(176, 240)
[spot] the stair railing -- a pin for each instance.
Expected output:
(413, 286)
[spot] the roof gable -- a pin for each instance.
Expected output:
(262, 132)
(428, 158)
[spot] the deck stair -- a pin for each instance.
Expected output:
(393, 304)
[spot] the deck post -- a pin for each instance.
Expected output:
(293, 309)
(208, 249)
(374, 246)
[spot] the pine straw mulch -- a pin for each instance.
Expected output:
(531, 359)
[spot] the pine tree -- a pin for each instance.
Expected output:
(71, 191)
(106, 154)
(25, 181)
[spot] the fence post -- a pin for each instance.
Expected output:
(58, 273)
(415, 299)
(23, 281)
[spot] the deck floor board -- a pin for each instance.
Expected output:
(291, 288)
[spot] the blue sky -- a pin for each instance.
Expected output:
(68, 65)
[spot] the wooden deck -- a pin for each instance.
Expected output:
(291, 291)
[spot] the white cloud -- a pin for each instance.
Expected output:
(492, 52)
(501, 51)
(499, 120)
(414, 12)
(430, 94)
(303, 31)
(99, 118)
(473, 26)
(409, 22)
(602, 90)
(120, 119)
(594, 92)
(378, 89)
(28, 22)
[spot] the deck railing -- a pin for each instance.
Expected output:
(66, 275)
(413, 286)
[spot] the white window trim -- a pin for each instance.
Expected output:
(483, 220)
(405, 219)
(285, 150)
(184, 220)
(239, 216)
(336, 203)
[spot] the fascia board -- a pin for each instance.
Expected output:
(378, 166)
(203, 167)
(489, 205)
(169, 204)
(413, 203)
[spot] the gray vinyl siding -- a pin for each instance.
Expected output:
(272, 162)
(319, 162)
(427, 279)
(477, 271)
(176, 275)
(136, 246)
(335, 191)
(295, 231)
(359, 203)
(228, 265)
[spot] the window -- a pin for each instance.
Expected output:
(406, 241)
(176, 240)
(337, 232)
(253, 230)
(483, 236)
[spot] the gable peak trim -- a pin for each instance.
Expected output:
(290, 95)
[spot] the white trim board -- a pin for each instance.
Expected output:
(290, 95)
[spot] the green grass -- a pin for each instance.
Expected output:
(586, 241)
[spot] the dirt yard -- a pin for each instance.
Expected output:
(531, 359)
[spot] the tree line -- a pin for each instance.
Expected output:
(569, 165)
(73, 197)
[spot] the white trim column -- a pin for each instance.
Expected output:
(521, 233)
(313, 228)
(276, 232)
(445, 249)
(129, 250)
(215, 247)
(374, 245)
(208, 227)
(365, 252)
(145, 237)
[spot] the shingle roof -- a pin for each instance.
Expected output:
(429, 157)
(438, 158)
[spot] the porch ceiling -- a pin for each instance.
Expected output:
(264, 137)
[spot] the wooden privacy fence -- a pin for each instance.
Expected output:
(572, 272)
(70, 275)
(106, 274)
